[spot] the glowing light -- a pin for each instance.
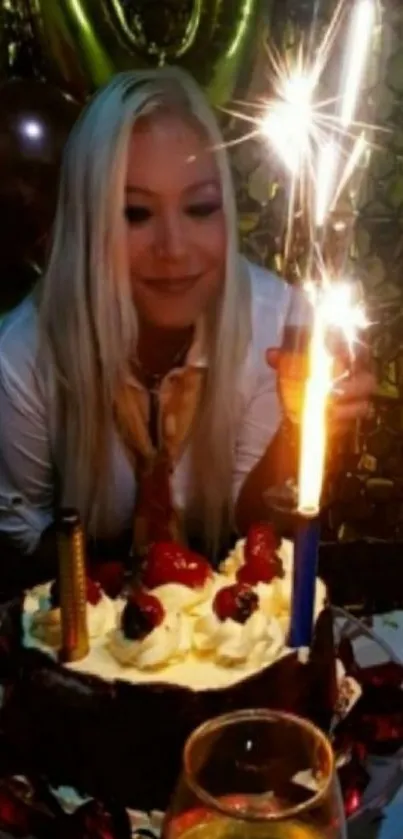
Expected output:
(341, 311)
(363, 18)
(333, 306)
(313, 427)
(293, 108)
(32, 129)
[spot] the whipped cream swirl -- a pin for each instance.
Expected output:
(46, 622)
(256, 642)
(176, 597)
(168, 642)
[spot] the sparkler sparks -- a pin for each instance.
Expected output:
(341, 311)
(319, 141)
(289, 123)
(363, 19)
(317, 138)
(320, 145)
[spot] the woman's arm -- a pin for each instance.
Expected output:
(26, 471)
(28, 543)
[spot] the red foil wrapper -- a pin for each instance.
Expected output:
(92, 821)
(15, 815)
(27, 812)
(375, 724)
(353, 780)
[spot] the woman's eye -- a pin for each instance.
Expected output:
(204, 209)
(137, 215)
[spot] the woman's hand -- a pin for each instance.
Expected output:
(349, 400)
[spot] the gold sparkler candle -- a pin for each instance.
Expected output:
(72, 582)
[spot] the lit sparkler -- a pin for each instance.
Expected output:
(333, 305)
(313, 423)
(318, 140)
(320, 147)
(333, 308)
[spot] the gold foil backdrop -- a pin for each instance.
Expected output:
(42, 39)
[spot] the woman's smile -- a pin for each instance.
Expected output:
(172, 286)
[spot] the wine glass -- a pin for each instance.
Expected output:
(293, 362)
(256, 774)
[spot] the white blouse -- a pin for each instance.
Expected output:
(27, 488)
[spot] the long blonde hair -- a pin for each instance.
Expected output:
(88, 323)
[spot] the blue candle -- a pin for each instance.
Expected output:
(306, 547)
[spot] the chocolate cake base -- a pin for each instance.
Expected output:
(122, 743)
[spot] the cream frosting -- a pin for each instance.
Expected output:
(166, 643)
(190, 623)
(191, 647)
(45, 622)
(256, 642)
(179, 598)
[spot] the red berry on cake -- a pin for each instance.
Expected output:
(261, 541)
(94, 592)
(143, 613)
(260, 570)
(168, 562)
(235, 602)
(262, 563)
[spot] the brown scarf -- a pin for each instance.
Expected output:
(155, 516)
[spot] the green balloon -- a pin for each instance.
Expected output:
(87, 41)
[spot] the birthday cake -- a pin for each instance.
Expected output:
(184, 644)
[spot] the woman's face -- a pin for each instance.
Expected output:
(175, 222)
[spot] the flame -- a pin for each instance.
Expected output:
(333, 306)
(313, 428)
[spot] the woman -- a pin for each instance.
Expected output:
(136, 376)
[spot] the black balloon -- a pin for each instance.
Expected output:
(35, 119)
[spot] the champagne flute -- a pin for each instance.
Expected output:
(256, 774)
(292, 365)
